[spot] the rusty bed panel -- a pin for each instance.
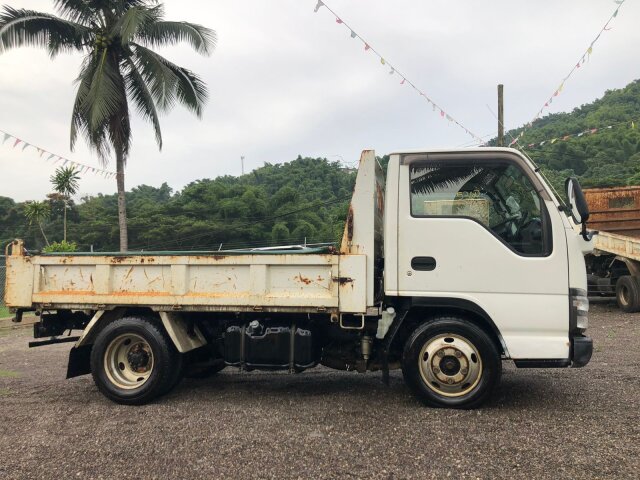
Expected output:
(615, 210)
(186, 282)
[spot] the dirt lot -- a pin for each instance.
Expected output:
(582, 423)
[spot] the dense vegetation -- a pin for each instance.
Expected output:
(308, 197)
(608, 157)
(273, 205)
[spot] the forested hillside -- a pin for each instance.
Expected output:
(599, 142)
(308, 197)
(272, 205)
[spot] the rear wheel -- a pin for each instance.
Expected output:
(628, 293)
(133, 361)
(450, 362)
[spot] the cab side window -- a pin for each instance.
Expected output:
(498, 195)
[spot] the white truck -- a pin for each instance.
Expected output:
(460, 260)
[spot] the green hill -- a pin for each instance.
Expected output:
(599, 142)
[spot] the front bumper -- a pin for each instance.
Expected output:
(581, 350)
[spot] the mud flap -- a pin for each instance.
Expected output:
(79, 361)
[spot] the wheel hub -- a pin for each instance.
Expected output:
(450, 365)
(128, 361)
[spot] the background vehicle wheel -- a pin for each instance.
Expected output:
(450, 362)
(628, 293)
(133, 361)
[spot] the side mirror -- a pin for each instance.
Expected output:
(577, 203)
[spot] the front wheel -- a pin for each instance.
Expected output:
(133, 361)
(451, 362)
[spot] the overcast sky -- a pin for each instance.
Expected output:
(286, 81)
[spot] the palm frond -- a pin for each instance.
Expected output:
(105, 94)
(78, 11)
(189, 89)
(157, 74)
(65, 181)
(141, 96)
(163, 33)
(79, 115)
(21, 27)
(133, 20)
(430, 179)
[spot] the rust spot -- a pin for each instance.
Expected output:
(343, 280)
(218, 257)
(320, 279)
(302, 279)
(142, 260)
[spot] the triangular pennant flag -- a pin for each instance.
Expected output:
(555, 94)
(366, 46)
(633, 125)
(6, 137)
(578, 65)
(25, 146)
(566, 137)
(402, 82)
(590, 50)
(615, 14)
(593, 130)
(442, 113)
(318, 5)
(554, 140)
(50, 157)
(15, 144)
(353, 34)
(382, 61)
(392, 71)
(561, 87)
(338, 20)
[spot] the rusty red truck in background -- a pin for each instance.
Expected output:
(614, 266)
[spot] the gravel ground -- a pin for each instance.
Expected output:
(582, 423)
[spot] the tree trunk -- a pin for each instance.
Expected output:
(64, 223)
(122, 205)
(42, 230)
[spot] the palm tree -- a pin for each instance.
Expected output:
(119, 68)
(65, 182)
(37, 212)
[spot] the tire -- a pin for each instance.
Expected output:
(134, 361)
(449, 362)
(628, 293)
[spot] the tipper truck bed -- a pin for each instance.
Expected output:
(457, 261)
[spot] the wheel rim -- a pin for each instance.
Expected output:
(624, 295)
(128, 361)
(450, 365)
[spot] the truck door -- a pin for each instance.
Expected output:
(480, 228)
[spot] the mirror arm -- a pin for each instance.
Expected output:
(587, 235)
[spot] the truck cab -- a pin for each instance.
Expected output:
(476, 241)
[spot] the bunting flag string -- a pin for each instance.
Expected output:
(393, 70)
(581, 61)
(55, 158)
(590, 131)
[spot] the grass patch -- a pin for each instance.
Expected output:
(8, 374)
(4, 312)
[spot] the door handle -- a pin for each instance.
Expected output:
(426, 264)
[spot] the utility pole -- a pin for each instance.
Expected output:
(242, 163)
(501, 115)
